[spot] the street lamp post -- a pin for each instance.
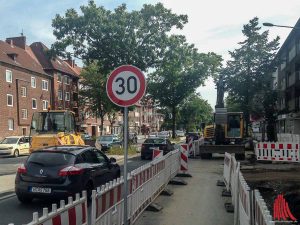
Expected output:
(274, 25)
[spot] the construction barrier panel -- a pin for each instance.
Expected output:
(184, 158)
(244, 201)
(262, 215)
(226, 170)
(277, 151)
(74, 213)
(191, 147)
(144, 185)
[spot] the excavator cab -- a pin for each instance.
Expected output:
(52, 128)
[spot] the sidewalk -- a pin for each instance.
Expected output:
(7, 182)
(197, 203)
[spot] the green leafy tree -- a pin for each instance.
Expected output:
(182, 70)
(249, 70)
(106, 39)
(193, 112)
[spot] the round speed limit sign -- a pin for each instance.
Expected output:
(126, 85)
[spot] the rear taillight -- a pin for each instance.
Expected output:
(69, 171)
(22, 169)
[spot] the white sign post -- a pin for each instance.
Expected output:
(125, 86)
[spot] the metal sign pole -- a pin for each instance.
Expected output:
(125, 163)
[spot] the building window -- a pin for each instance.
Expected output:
(33, 82)
(67, 80)
(24, 114)
(60, 95)
(10, 124)
(23, 91)
(34, 105)
(45, 104)
(45, 85)
(8, 76)
(10, 101)
(67, 96)
(59, 77)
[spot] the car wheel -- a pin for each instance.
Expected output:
(24, 199)
(16, 153)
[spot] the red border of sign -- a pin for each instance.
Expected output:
(140, 93)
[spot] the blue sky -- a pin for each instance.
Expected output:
(214, 25)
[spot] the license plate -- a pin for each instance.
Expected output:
(40, 190)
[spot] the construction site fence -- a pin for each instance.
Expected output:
(249, 206)
(144, 185)
(194, 148)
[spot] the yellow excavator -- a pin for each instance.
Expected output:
(53, 128)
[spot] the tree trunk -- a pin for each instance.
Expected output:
(101, 126)
(173, 121)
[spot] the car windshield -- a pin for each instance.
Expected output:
(155, 141)
(51, 158)
(106, 138)
(10, 141)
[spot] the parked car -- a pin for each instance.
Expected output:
(152, 143)
(153, 134)
(107, 141)
(163, 134)
(15, 145)
(193, 135)
(62, 171)
(86, 137)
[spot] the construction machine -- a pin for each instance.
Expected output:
(52, 128)
(226, 134)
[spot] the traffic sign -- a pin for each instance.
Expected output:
(126, 85)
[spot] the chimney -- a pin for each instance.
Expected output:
(17, 41)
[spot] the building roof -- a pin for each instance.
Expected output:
(40, 51)
(16, 56)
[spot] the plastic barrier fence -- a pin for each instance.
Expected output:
(262, 215)
(196, 147)
(191, 147)
(74, 213)
(144, 185)
(226, 171)
(244, 201)
(277, 151)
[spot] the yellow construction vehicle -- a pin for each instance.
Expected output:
(52, 128)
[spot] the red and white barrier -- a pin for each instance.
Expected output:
(144, 185)
(74, 213)
(191, 147)
(278, 151)
(184, 157)
(157, 153)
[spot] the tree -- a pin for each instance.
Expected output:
(194, 111)
(107, 39)
(249, 70)
(182, 70)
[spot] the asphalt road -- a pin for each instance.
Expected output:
(9, 165)
(12, 211)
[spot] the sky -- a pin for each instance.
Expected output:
(214, 25)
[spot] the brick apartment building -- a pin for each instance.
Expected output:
(24, 87)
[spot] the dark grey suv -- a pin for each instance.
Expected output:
(62, 171)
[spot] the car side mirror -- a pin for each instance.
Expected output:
(113, 160)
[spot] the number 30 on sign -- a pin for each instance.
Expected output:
(126, 85)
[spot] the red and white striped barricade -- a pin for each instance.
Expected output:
(191, 149)
(157, 153)
(184, 158)
(244, 211)
(262, 215)
(264, 150)
(74, 213)
(233, 173)
(278, 151)
(108, 202)
(226, 170)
